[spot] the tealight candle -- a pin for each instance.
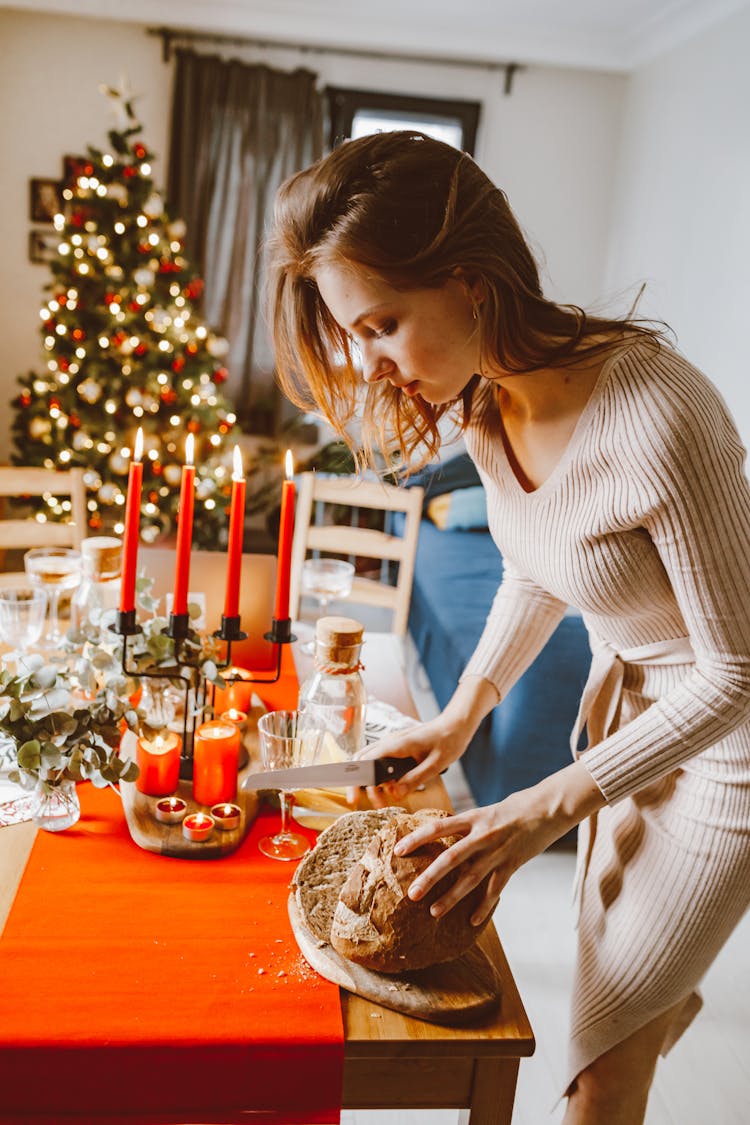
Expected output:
(170, 810)
(227, 816)
(197, 827)
(216, 754)
(233, 715)
(158, 759)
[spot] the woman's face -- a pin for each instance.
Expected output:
(424, 341)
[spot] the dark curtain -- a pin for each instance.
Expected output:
(238, 132)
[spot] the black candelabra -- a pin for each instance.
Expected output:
(188, 665)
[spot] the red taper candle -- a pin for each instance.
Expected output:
(184, 531)
(236, 535)
(132, 527)
(286, 534)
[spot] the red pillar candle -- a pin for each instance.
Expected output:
(184, 531)
(132, 527)
(286, 534)
(216, 755)
(236, 535)
(238, 695)
(158, 759)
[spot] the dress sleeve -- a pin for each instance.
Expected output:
(522, 619)
(700, 526)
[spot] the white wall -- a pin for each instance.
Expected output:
(682, 212)
(551, 145)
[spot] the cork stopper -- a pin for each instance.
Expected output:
(338, 640)
(102, 556)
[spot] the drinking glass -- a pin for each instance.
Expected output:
(22, 610)
(53, 570)
(287, 740)
(325, 580)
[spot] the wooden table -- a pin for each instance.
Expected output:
(393, 1061)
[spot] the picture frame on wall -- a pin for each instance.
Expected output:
(43, 246)
(75, 166)
(45, 199)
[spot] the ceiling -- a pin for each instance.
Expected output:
(610, 35)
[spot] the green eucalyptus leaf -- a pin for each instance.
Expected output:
(29, 755)
(131, 772)
(45, 677)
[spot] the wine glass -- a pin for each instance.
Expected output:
(22, 611)
(325, 580)
(53, 570)
(286, 740)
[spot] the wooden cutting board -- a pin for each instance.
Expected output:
(459, 992)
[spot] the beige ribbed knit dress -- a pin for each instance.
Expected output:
(644, 525)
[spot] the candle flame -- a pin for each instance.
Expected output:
(289, 465)
(138, 450)
(189, 449)
(238, 468)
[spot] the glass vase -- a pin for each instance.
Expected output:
(56, 805)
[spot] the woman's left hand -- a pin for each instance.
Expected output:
(497, 839)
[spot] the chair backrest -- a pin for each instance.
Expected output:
(30, 532)
(314, 532)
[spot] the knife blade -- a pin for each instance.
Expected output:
(354, 771)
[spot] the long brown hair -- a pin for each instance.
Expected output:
(413, 211)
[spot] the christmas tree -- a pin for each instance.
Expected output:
(124, 348)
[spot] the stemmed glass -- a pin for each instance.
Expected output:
(22, 610)
(53, 570)
(325, 580)
(287, 741)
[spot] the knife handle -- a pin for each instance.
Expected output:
(391, 769)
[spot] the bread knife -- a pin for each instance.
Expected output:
(353, 771)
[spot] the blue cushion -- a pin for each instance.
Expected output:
(446, 476)
(465, 510)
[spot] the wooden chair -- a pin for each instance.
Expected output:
(314, 532)
(29, 532)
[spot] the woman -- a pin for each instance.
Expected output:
(614, 480)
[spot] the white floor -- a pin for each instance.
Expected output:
(705, 1080)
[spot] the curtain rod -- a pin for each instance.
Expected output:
(169, 36)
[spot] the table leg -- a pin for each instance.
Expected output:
(493, 1092)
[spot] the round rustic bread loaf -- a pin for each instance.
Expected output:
(322, 873)
(377, 925)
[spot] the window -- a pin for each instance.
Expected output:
(356, 113)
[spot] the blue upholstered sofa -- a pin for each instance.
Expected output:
(457, 573)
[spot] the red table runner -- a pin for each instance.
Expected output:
(142, 989)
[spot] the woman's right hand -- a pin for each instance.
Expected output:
(435, 745)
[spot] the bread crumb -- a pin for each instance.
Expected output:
(375, 1016)
(261, 972)
(281, 973)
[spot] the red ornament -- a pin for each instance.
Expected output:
(194, 288)
(157, 470)
(191, 349)
(178, 363)
(63, 364)
(74, 421)
(165, 266)
(221, 375)
(78, 334)
(139, 150)
(54, 403)
(144, 248)
(194, 426)
(110, 297)
(78, 218)
(49, 325)
(129, 171)
(25, 399)
(95, 521)
(62, 299)
(224, 427)
(168, 396)
(141, 349)
(153, 497)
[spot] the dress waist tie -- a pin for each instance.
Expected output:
(598, 712)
